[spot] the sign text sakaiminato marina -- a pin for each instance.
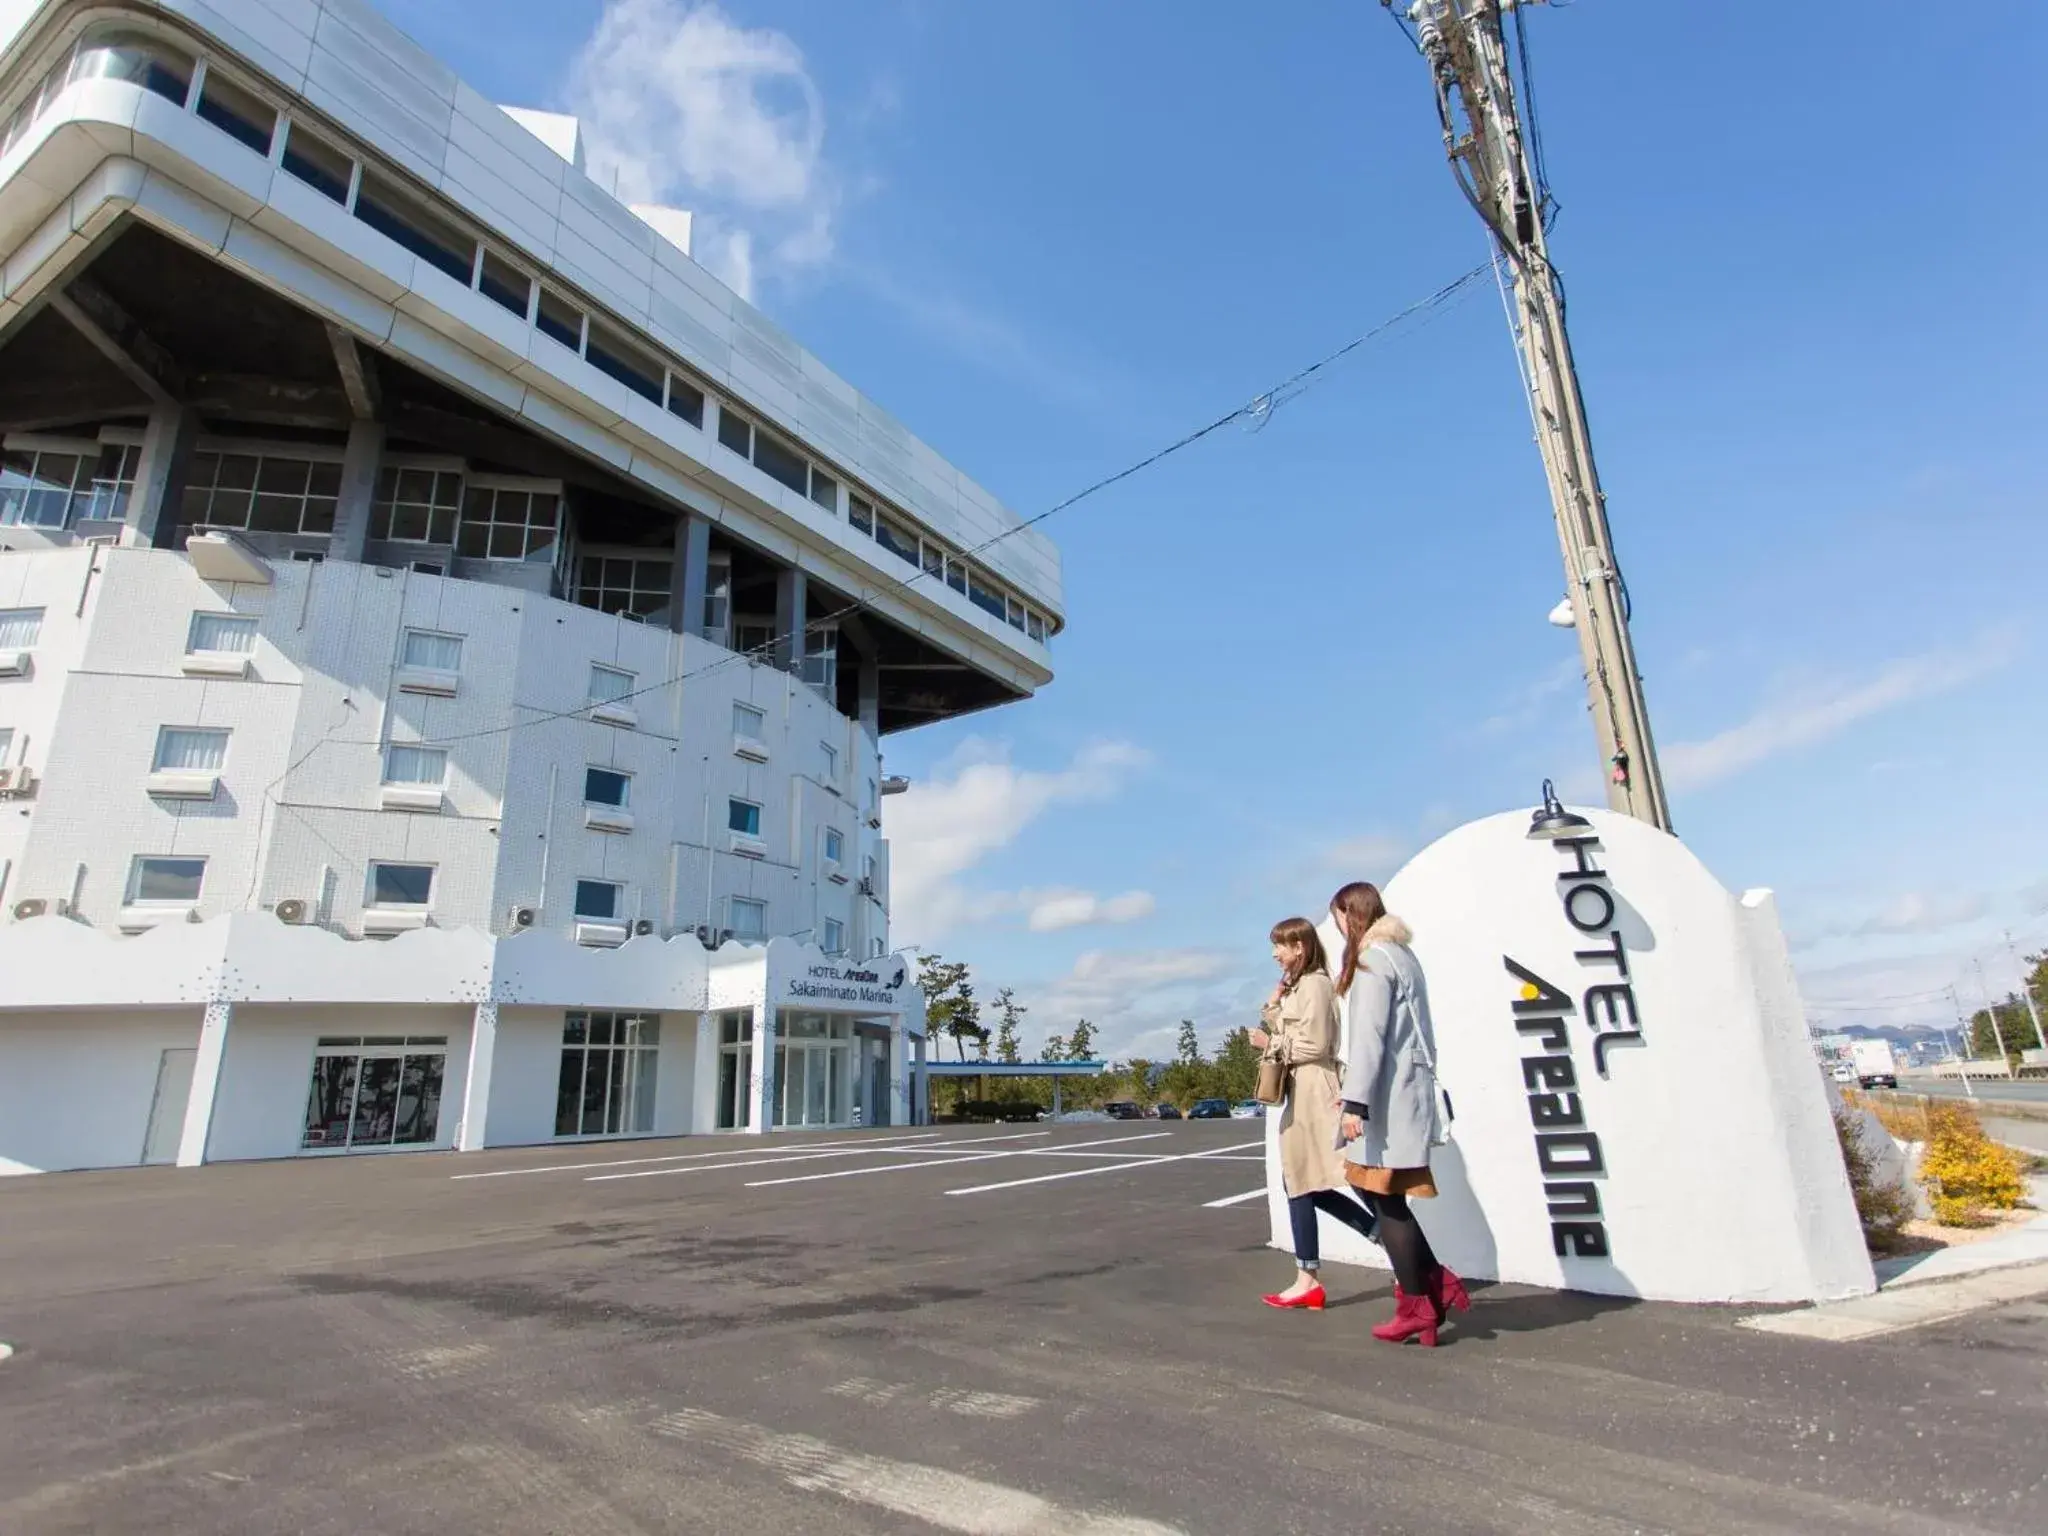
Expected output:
(875, 984)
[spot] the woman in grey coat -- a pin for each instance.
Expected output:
(1393, 1111)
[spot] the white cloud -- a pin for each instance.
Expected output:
(680, 104)
(944, 827)
(1536, 701)
(1816, 714)
(1052, 911)
(2036, 899)
(1917, 912)
(1137, 998)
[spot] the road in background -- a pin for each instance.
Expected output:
(941, 1336)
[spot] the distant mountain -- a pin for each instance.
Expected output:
(1902, 1036)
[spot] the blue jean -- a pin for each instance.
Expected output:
(1301, 1211)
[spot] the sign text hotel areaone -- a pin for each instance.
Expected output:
(849, 983)
(1567, 1148)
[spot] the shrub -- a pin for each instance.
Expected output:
(1883, 1207)
(1966, 1172)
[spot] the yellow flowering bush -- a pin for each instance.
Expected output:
(1967, 1173)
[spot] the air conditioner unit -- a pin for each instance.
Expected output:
(16, 781)
(34, 906)
(866, 887)
(705, 935)
(291, 910)
(524, 917)
(102, 540)
(643, 927)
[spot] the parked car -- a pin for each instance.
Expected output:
(1248, 1109)
(1166, 1112)
(1123, 1109)
(1844, 1073)
(1210, 1109)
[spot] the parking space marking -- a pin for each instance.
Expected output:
(844, 1149)
(681, 1157)
(851, 1173)
(1250, 1194)
(1082, 1173)
(945, 1157)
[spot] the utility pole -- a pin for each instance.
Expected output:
(2027, 991)
(1492, 157)
(1969, 1048)
(1991, 1006)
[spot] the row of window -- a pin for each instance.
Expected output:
(52, 488)
(394, 212)
(173, 881)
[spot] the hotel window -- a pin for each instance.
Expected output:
(165, 882)
(20, 628)
(416, 506)
(749, 721)
(608, 685)
(605, 786)
(431, 652)
(743, 817)
(835, 845)
(611, 354)
(829, 755)
(1035, 627)
(379, 1091)
(421, 766)
(606, 1087)
(685, 400)
(6, 745)
(319, 165)
(824, 490)
(749, 918)
(504, 284)
(934, 560)
(236, 112)
(897, 539)
(136, 58)
(956, 575)
(559, 320)
(400, 217)
(861, 513)
(597, 900)
(263, 493)
(988, 599)
(183, 749)
(39, 490)
(401, 885)
(504, 523)
(734, 432)
(821, 657)
(780, 463)
(835, 937)
(624, 584)
(113, 481)
(229, 633)
(1016, 614)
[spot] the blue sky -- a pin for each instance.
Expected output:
(1052, 237)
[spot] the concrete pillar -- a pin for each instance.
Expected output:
(476, 1088)
(899, 1073)
(704, 1077)
(360, 462)
(871, 696)
(761, 1082)
(157, 502)
(692, 576)
(206, 1065)
(792, 596)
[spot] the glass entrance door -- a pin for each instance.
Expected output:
(375, 1091)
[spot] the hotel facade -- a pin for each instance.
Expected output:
(446, 636)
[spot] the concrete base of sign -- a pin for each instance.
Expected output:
(1637, 1111)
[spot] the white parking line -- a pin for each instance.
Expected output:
(854, 1149)
(1250, 1194)
(850, 1173)
(1082, 1173)
(947, 1158)
(738, 1150)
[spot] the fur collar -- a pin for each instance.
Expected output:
(1388, 930)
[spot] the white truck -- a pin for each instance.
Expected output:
(1875, 1065)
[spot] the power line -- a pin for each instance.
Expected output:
(1259, 408)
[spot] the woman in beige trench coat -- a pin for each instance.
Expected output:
(1301, 1030)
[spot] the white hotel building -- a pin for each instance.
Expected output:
(446, 636)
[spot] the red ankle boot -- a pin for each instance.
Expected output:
(1414, 1318)
(1447, 1292)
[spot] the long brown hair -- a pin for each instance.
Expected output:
(1359, 906)
(1299, 933)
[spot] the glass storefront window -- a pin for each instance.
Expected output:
(381, 1091)
(606, 1086)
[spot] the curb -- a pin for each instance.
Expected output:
(1910, 1306)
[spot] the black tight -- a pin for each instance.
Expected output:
(1407, 1245)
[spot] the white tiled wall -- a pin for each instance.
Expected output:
(299, 813)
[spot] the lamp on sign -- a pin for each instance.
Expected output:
(1552, 821)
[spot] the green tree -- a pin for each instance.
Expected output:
(1055, 1048)
(1081, 1043)
(1009, 1013)
(1138, 1072)
(1189, 1052)
(949, 1001)
(2014, 1023)
(1236, 1071)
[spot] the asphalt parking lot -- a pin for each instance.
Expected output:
(975, 1329)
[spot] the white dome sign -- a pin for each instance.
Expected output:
(1638, 1110)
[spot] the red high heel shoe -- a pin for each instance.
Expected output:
(1414, 1318)
(1312, 1299)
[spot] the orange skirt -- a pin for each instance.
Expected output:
(1391, 1181)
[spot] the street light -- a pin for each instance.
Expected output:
(1552, 821)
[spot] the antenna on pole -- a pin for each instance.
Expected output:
(1496, 158)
